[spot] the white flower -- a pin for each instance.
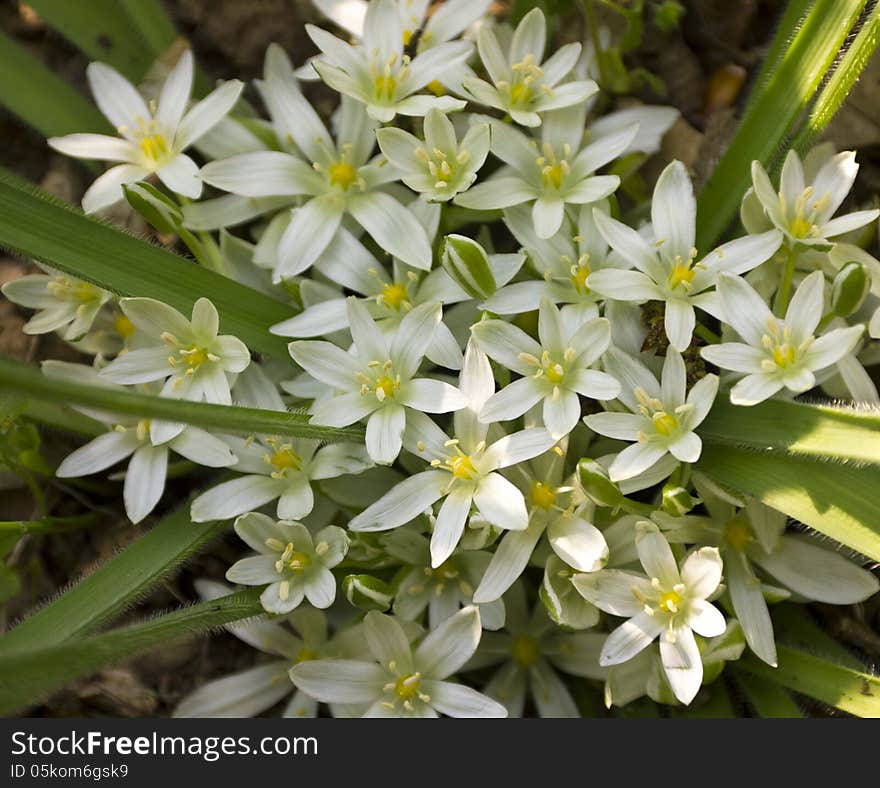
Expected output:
(391, 296)
(558, 173)
(442, 590)
(464, 470)
(445, 22)
(564, 262)
(377, 381)
(439, 167)
(668, 602)
(523, 83)
(668, 270)
(293, 562)
(378, 73)
(753, 537)
(338, 177)
(65, 304)
(809, 195)
(555, 508)
(526, 658)
(661, 420)
(250, 692)
(194, 359)
(277, 468)
(142, 440)
(402, 681)
(554, 370)
(153, 137)
(777, 353)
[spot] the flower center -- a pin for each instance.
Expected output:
(670, 602)
(803, 223)
(394, 295)
(293, 559)
(462, 467)
(64, 288)
(525, 74)
(152, 139)
(682, 272)
(664, 423)
(306, 655)
(579, 275)
(553, 169)
(525, 650)
(383, 382)
(543, 495)
(342, 174)
(284, 458)
(738, 533)
(123, 326)
(782, 352)
(407, 687)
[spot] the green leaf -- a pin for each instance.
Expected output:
(150, 19)
(115, 585)
(27, 381)
(49, 104)
(28, 676)
(839, 501)
(819, 431)
(766, 697)
(102, 30)
(37, 225)
(790, 87)
(841, 82)
(845, 688)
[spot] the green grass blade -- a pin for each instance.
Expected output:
(150, 19)
(818, 431)
(37, 225)
(850, 690)
(115, 585)
(766, 697)
(28, 676)
(49, 104)
(102, 30)
(841, 82)
(837, 500)
(27, 381)
(774, 112)
(55, 415)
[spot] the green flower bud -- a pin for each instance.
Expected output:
(677, 500)
(850, 288)
(367, 592)
(597, 486)
(467, 264)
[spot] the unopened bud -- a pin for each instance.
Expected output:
(850, 288)
(467, 264)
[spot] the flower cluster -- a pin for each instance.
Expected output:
(530, 393)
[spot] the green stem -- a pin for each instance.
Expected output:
(594, 35)
(784, 293)
(48, 525)
(706, 334)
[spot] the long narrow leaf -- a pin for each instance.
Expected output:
(28, 676)
(102, 30)
(37, 225)
(853, 691)
(774, 113)
(842, 81)
(151, 20)
(837, 500)
(819, 431)
(767, 698)
(115, 585)
(27, 381)
(49, 104)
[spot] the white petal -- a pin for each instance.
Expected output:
(656, 555)
(244, 694)
(680, 320)
(562, 412)
(262, 174)
(686, 448)
(297, 499)
(94, 146)
(754, 389)
(404, 502)
(385, 433)
(175, 92)
(622, 426)
(448, 647)
(207, 113)
(750, 606)
(98, 454)
(307, 236)
(235, 497)
(449, 525)
(579, 543)
(805, 309)
(181, 175)
(518, 447)
(743, 308)
(456, 700)
(433, 396)
(547, 214)
(339, 680)
(674, 212)
(512, 401)
(735, 356)
(508, 562)
(682, 664)
(144, 481)
(614, 591)
(320, 588)
(413, 337)
(255, 570)
(394, 228)
(387, 641)
(116, 97)
(701, 572)
(501, 503)
(202, 447)
(634, 459)
(706, 619)
(630, 638)
(326, 362)
(107, 189)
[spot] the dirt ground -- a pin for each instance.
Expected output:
(707, 66)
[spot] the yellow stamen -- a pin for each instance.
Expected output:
(342, 174)
(394, 295)
(543, 495)
(462, 467)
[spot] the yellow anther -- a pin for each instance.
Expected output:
(299, 562)
(462, 467)
(124, 327)
(681, 274)
(670, 602)
(284, 458)
(579, 275)
(407, 687)
(664, 423)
